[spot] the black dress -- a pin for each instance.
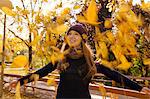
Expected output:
(72, 85)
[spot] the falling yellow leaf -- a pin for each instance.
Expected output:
(45, 0)
(65, 11)
(102, 90)
(124, 66)
(17, 94)
(36, 40)
(20, 61)
(59, 29)
(60, 19)
(8, 11)
(108, 23)
(51, 80)
(123, 59)
(104, 50)
(91, 14)
(6, 3)
(76, 7)
(146, 61)
(110, 36)
(106, 63)
(53, 59)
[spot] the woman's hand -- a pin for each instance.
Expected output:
(146, 90)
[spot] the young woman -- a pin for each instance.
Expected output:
(76, 76)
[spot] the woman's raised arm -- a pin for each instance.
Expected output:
(118, 77)
(41, 72)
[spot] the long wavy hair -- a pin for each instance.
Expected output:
(88, 54)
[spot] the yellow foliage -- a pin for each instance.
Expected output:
(20, 61)
(117, 51)
(106, 63)
(102, 90)
(17, 94)
(35, 41)
(110, 36)
(60, 19)
(25, 12)
(34, 77)
(146, 61)
(108, 23)
(123, 59)
(85, 36)
(124, 66)
(91, 14)
(59, 29)
(65, 11)
(56, 56)
(76, 7)
(8, 11)
(104, 50)
(51, 80)
(45, 0)
(6, 3)
(145, 6)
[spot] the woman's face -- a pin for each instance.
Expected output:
(74, 39)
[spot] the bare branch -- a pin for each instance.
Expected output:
(19, 38)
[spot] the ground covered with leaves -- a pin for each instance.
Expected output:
(38, 94)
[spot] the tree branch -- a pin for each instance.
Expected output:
(19, 37)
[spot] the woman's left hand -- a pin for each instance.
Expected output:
(146, 90)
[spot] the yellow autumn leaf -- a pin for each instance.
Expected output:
(134, 27)
(76, 7)
(35, 77)
(106, 63)
(132, 50)
(104, 50)
(45, 0)
(108, 23)
(55, 48)
(91, 14)
(146, 61)
(124, 66)
(102, 90)
(59, 29)
(117, 51)
(65, 11)
(110, 36)
(145, 5)
(51, 80)
(20, 61)
(84, 36)
(60, 19)
(35, 41)
(25, 12)
(6, 3)
(53, 59)
(97, 30)
(123, 59)
(8, 11)
(17, 94)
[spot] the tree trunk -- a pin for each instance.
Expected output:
(30, 52)
(3, 61)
